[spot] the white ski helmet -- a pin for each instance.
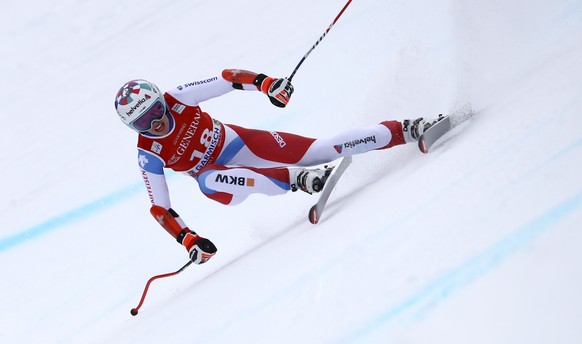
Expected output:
(134, 101)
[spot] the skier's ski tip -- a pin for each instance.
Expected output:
(315, 212)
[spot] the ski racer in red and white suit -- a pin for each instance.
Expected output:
(228, 161)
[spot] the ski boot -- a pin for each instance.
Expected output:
(413, 129)
(309, 180)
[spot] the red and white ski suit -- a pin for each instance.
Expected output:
(231, 162)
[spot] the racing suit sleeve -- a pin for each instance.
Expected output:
(152, 171)
(195, 92)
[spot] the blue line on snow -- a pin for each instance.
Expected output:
(472, 269)
(68, 217)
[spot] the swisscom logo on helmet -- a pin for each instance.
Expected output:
(128, 94)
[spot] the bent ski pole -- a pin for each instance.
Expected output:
(319, 40)
(145, 291)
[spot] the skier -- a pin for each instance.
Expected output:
(228, 161)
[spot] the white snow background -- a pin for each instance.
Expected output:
(477, 242)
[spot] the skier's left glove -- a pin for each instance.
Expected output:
(279, 90)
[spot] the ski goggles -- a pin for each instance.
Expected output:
(155, 113)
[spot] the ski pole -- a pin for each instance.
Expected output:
(145, 291)
(319, 40)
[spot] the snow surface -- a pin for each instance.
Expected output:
(477, 242)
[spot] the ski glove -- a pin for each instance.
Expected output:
(200, 249)
(279, 90)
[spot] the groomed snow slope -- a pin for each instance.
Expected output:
(477, 242)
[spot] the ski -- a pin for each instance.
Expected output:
(434, 133)
(443, 126)
(317, 209)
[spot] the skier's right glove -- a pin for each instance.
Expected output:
(200, 249)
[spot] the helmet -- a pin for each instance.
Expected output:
(134, 101)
